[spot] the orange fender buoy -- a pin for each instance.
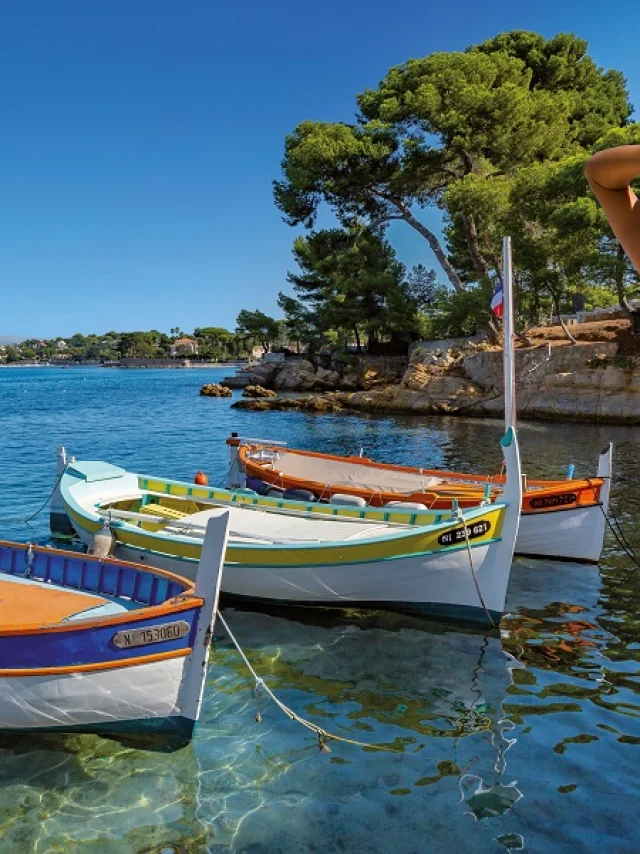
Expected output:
(201, 479)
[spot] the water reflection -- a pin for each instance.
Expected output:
(526, 739)
(434, 697)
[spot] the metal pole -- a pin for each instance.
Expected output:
(507, 331)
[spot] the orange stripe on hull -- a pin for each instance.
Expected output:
(94, 668)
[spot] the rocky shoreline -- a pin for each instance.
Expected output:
(588, 381)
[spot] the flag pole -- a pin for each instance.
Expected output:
(507, 332)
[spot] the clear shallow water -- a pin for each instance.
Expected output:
(530, 738)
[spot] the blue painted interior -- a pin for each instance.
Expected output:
(90, 575)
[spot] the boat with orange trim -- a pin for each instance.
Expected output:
(90, 644)
(560, 518)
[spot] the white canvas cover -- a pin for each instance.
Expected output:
(260, 526)
(340, 473)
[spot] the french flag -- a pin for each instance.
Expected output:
(496, 302)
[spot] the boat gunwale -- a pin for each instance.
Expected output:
(185, 601)
(411, 532)
(464, 490)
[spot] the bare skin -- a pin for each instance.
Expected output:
(609, 173)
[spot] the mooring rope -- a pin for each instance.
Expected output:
(323, 734)
(630, 550)
(620, 536)
(460, 516)
(26, 521)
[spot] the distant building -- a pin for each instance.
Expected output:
(61, 344)
(184, 347)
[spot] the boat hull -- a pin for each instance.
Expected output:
(140, 698)
(573, 534)
(440, 585)
(90, 644)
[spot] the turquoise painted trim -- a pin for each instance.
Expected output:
(508, 438)
(177, 727)
(232, 497)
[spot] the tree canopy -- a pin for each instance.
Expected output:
(350, 281)
(467, 132)
(258, 325)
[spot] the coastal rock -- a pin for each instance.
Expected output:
(326, 379)
(262, 374)
(258, 391)
(295, 375)
(215, 390)
(588, 381)
(315, 403)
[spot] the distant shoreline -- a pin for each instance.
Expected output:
(166, 365)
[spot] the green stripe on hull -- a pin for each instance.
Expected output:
(176, 726)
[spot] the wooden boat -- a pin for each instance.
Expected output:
(560, 519)
(309, 554)
(102, 645)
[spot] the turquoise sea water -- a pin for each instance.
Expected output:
(528, 739)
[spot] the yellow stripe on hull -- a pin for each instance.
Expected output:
(377, 548)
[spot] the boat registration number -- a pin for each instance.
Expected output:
(151, 634)
(457, 535)
(553, 500)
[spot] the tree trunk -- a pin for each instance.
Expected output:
(634, 314)
(436, 248)
(357, 334)
(493, 332)
(480, 263)
(556, 303)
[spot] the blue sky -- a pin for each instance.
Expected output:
(140, 139)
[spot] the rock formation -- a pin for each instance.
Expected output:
(215, 390)
(258, 391)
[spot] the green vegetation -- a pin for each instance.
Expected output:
(495, 137)
(349, 282)
(210, 343)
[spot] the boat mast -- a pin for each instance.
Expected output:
(507, 332)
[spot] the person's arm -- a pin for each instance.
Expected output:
(609, 173)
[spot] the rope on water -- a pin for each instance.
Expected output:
(7, 519)
(630, 550)
(620, 536)
(322, 734)
(460, 516)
